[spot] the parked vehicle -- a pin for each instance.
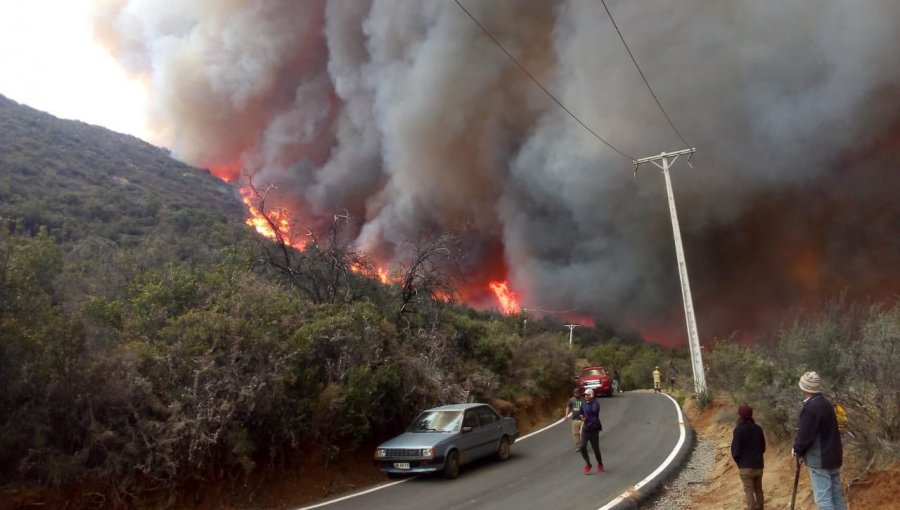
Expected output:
(597, 378)
(446, 437)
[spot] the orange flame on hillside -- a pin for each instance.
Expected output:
(509, 303)
(379, 273)
(280, 218)
(383, 275)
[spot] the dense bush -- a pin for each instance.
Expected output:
(856, 351)
(131, 368)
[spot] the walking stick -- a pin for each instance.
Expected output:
(796, 481)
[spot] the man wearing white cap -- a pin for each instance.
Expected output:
(818, 443)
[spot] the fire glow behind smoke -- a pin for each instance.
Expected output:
(409, 118)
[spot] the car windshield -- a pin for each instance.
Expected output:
(593, 372)
(436, 421)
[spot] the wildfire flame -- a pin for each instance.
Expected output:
(509, 303)
(383, 275)
(280, 218)
(379, 273)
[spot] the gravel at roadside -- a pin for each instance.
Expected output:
(677, 493)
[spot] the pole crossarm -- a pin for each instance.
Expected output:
(665, 157)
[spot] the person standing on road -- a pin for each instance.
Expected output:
(590, 431)
(657, 379)
(818, 443)
(617, 383)
(673, 374)
(573, 412)
(747, 447)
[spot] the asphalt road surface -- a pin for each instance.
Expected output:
(642, 438)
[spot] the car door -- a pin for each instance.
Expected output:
(470, 443)
(491, 429)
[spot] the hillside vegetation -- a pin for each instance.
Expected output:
(151, 341)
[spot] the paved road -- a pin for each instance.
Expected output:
(641, 430)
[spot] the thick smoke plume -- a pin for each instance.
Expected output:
(407, 115)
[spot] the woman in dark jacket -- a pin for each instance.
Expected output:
(590, 431)
(747, 447)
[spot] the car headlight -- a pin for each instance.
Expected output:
(380, 452)
(428, 453)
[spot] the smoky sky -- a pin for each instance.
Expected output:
(407, 115)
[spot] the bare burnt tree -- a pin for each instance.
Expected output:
(318, 265)
(427, 277)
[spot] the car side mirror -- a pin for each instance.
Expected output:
(466, 429)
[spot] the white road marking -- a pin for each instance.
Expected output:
(526, 436)
(355, 494)
(681, 438)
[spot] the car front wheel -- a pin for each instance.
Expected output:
(503, 449)
(451, 465)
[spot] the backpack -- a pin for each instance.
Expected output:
(841, 416)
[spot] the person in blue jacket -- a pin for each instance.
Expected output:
(590, 431)
(818, 444)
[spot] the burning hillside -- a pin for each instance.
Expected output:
(410, 118)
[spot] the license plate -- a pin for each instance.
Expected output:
(401, 465)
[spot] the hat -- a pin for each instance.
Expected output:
(811, 383)
(588, 391)
(745, 412)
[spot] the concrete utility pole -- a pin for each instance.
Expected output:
(668, 159)
(525, 320)
(571, 329)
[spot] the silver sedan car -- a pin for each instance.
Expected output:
(446, 437)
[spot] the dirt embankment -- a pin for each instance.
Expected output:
(722, 489)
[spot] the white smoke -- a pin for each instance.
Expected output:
(410, 117)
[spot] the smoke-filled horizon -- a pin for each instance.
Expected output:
(408, 116)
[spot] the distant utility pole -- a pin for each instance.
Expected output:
(525, 320)
(668, 158)
(571, 329)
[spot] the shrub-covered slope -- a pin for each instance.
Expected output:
(78, 180)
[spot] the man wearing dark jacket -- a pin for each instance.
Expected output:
(747, 447)
(590, 431)
(818, 443)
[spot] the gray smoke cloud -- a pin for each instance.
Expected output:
(410, 117)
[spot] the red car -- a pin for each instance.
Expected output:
(596, 377)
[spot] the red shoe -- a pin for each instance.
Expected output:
(599, 468)
(587, 469)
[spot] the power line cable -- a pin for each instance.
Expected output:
(647, 83)
(508, 54)
(542, 310)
